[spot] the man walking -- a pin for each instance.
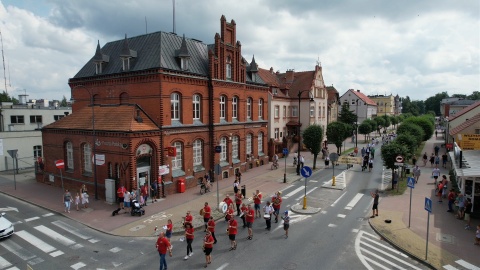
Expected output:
(257, 200)
(267, 215)
(207, 211)
(451, 200)
(375, 197)
(286, 223)
(416, 173)
(232, 233)
(277, 202)
(120, 193)
(250, 217)
(208, 247)
(163, 245)
(211, 228)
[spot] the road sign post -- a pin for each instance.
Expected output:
(306, 172)
(285, 154)
(411, 185)
(428, 207)
(60, 164)
(218, 170)
(13, 154)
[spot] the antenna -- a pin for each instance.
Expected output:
(3, 59)
(174, 30)
(9, 82)
(146, 25)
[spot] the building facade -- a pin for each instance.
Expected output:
(386, 105)
(360, 104)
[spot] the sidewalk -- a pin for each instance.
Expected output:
(448, 240)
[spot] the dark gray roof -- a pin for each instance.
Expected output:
(463, 102)
(154, 50)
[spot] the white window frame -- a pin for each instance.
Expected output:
(260, 108)
(294, 111)
(249, 108)
(177, 160)
(87, 158)
(184, 63)
(234, 107)
(223, 105)
(284, 111)
(276, 111)
(248, 144)
(276, 133)
(196, 103)
(197, 153)
(228, 68)
(126, 63)
(69, 151)
(175, 106)
(312, 111)
(235, 142)
(223, 144)
(260, 142)
(37, 151)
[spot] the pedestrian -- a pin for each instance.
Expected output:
(144, 191)
(127, 196)
(444, 160)
(461, 206)
(370, 165)
(372, 153)
(365, 162)
(257, 200)
(154, 190)
(363, 151)
(227, 200)
(232, 233)
(169, 229)
(163, 245)
(207, 248)
(375, 197)
(67, 200)
(77, 200)
(468, 211)
(327, 162)
(249, 218)
(425, 157)
(277, 203)
(85, 197)
(445, 186)
(451, 200)
(211, 228)
(437, 161)
(414, 160)
(395, 179)
(477, 235)
(238, 176)
(120, 192)
(436, 133)
(432, 160)
(439, 192)
(238, 201)
(188, 219)
(207, 211)
(267, 215)
(229, 213)
(235, 186)
(286, 223)
(435, 174)
(302, 161)
(436, 149)
(243, 211)
(189, 236)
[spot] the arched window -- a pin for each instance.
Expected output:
(248, 144)
(249, 108)
(223, 144)
(223, 105)
(235, 140)
(228, 68)
(177, 160)
(175, 106)
(197, 153)
(69, 147)
(196, 107)
(234, 107)
(87, 158)
(260, 108)
(123, 98)
(260, 143)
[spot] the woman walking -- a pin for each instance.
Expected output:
(67, 199)
(189, 230)
(207, 248)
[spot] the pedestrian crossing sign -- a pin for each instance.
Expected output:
(428, 205)
(411, 182)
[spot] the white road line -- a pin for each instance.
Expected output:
(467, 265)
(47, 215)
(93, 241)
(17, 250)
(332, 225)
(337, 200)
(223, 266)
(31, 219)
(341, 215)
(355, 230)
(17, 222)
(308, 192)
(56, 253)
(293, 192)
(385, 247)
(376, 263)
(289, 186)
(411, 266)
(354, 201)
(55, 236)
(37, 242)
(115, 249)
(313, 181)
(382, 259)
(77, 265)
(449, 267)
(4, 263)
(70, 229)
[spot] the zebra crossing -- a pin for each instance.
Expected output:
(461, 264)
(55, 239)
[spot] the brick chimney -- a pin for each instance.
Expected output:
(289, 76)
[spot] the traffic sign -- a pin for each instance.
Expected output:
(59, 164)
(218, 149)
(285, 151)
(428, 205)
(306, 171)
(13, 153)
(411, 182)
(399, 159)
(333, 156)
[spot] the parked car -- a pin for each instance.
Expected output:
(6, 227)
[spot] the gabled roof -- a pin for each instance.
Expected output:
(302, 81)
(108, 118)
(465, 124)
(363, 97)
(332, 94)
(269, 77)
(464, 111)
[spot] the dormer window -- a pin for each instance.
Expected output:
(98, 67)
(100, 60)
(127, 54)
(228, 68)
(125, 63)
(183, 55)
(184, 63)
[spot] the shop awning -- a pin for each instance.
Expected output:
(470, 166)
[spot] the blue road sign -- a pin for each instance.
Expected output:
(285, 151)
(218, 149)
(411, 182)
(306, 171)
(428, 205)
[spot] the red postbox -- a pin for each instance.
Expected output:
(181, 185)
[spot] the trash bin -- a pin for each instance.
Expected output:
(407, 170)
(244, 191)
(181, 185)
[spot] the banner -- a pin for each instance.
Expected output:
(349, 160)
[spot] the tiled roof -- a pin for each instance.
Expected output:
(465, 124)
(302, 81)
(268, 77)
(109, 118)
(364, 98)
(332, 94)
(467, 109)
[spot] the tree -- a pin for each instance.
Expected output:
(312, 139)
(380, 123)
(394, 120)
(386, 124)
(461, 96)
(336, 134)
(433, 103)
(420, 106)
(425, 123)
(411, 129)
(63, 103)
(408, 140)
(390, 152)
(5, 97)
(346, 116)
(474, 96)
(365, 128)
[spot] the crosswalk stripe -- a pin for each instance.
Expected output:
(70, 229)
(78, 265)
(354, 201)
(385, 247)
(31, 219)
(54, 235)
(56, 253)
(48, 214)
(293, 192)
(308, 192)
(376, 263)
(380, 258)
(449, 267)
(17, 250)
(389, 255)
(341, 215)
(40, 244)
(337, 200)
(115, 249)
(467, 265)
(4, 263)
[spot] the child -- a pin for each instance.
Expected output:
(477, 235)
(286, 223)
(77, 200)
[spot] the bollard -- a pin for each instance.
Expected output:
(333, 180)
(304, 202)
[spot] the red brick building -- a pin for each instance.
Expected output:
(140, 96)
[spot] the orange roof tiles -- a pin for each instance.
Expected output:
(465, 124)
(363, 97)
(467, 109)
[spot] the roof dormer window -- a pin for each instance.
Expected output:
(100, 59)
(98, 67)
(125, 63)
(183, 55)
(127, 54)
(184, 63)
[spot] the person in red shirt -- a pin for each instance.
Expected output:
(238, 201)
(439, 192)
(163, 245)
(229, 213)
(232, 232)
(250, 217)
(211, 228)
(120, 191)
(257, 200)
(144, 190)
(243, 209)
(208, 247)
(169, 229)
(227, 200)
(206, 215)
(189, 231)
(277, 202)
(188, 219)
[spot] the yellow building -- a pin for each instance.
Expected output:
(385, 104)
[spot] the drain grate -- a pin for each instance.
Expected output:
(445, 238)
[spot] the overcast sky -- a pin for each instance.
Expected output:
(410, 47)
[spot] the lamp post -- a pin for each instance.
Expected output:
(299, 136)
(93, 138)
(356, 125)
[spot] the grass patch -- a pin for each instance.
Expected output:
(401, 188)
(348, 151)
(418, 154)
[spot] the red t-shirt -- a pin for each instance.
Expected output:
(208, 241)
(162, 245)
(250, 216)
(243, 209)
(211, 225)
(277, 201)
(121, 191)
(451, 196)
(229, 213)
(207, 211)
(228, 201)
(189, 233)
(258, 199)
(169, 227)
(232, 228)
(144, 191)
(189, 219)
(238, 198)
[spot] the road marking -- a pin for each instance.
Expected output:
(354, 201)
(313, 181)
(54, 235)
(47, 215)
(93, 241)
(294, 218)
(70, 229)
(449, 267)
(341, 215)
(308, 192)
(37, 242)
(115, 249)
(77, 265)
(355, 230)
(223, 266)
(332, 225)
(17, 250)
(383, 246)
(17, 222)
(467, 265)
(56, 253)
(4, 263)
(293, 192)
(31, 219)
(8, 208)
(289, 186)
(339, 198)
(376, 263)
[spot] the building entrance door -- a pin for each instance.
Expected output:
(143, 176)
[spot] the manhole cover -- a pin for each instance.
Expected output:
(445, 238)
(290, 266)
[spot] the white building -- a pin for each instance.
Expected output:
(360, 104)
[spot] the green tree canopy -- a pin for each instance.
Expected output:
(5, 97)
(365, 128)
(474, 96)
(346, 116)
(433, 103)
(394, 119)
(64, 102)
(425, 124)
(336, 134)
(312, 139)
(409, 141)
(412, 129)
(391, 151)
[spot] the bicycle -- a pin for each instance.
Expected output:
(274, 165)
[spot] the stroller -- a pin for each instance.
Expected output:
(137, 208)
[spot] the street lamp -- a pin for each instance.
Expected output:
(356, 125)
(93, 137)
(299, 136)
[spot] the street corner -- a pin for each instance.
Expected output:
(298, 208)
(147, 226)
(387, 223)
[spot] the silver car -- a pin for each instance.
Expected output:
(6, 227)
